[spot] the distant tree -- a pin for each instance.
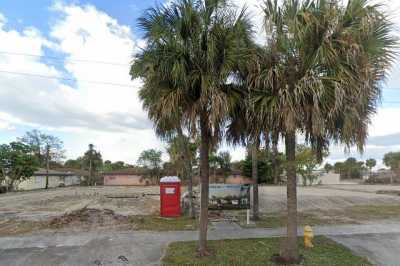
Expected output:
(151, 160)
(34, 140)
(93, 162)
(74, 163)
(47, 149)
(338, 167)
(236, 165)
(180, 147)
(307, 162)
(370, 163)
(263, 167)
(112, 166)
(221, 161)
(350, 169)
(392, 160)
(225, 161)
(269, 165)
(215, 162)
(328, 167)
(107, 165)
(17, 163)
(118, 165)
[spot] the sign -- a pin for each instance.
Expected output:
(169, 190)
(229, 197)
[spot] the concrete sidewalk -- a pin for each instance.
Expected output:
(146, 248)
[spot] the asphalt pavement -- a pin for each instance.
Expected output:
(379, 242)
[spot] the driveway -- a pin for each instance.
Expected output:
(379, 242)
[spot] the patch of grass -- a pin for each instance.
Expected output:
(259, 252)
(276, 220)
(373, 212)
(157, 223)
(350, 215)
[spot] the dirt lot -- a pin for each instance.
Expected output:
(42, 204)
(273, 199)
(76, 208)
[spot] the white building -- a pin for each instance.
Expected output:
(56, 179)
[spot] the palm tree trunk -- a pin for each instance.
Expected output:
(204, 180)
(188, 170)
(290, 252)
(254, 175)
(11, 185)
(192, 213)
(275, 175)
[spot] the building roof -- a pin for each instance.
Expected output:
(59, 172)
(80, 172)
(126, 171)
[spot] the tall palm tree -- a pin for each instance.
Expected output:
(193, 49)
(239, 133)
(274, 157)
(318, 75)
(182, 153)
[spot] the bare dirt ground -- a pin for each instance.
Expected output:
(41, 204)
(93, 208)
(273, 199)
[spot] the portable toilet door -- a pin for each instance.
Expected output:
(170, 196)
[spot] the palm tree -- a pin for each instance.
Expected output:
(193, 48)
(274, 157)
(182, 153)
(239, 132)
(318, 75)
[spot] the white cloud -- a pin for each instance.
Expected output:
(5, 125)
(384, 122)
(254, 10)
(109, 116)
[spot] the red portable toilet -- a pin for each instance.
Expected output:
(170, 196)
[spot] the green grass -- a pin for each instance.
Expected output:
(373, 212)
(156, 223)
(350, 215)
(276, 220)
(259, 252)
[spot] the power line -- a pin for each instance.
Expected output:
(65, 79)
(104, 82)
(63, 59)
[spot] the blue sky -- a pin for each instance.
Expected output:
(69, 36)
(37, 13)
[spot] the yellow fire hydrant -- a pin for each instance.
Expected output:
(308, 236)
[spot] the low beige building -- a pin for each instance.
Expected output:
(125, 177)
